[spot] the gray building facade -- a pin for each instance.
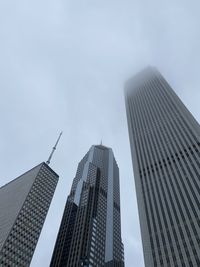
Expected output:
(165, 146)
(90, 230)
(24, 203)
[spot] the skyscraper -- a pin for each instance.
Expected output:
(165, 146)
(90, 231)
(24, 203)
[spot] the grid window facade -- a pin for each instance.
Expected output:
(165, 146)
(84, 231)
(19, 245)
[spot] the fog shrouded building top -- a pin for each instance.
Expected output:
(165, 146)
(24, 203)
(90, 231)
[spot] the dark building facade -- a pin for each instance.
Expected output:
(90, 231)
(24, 203)
(165, 146)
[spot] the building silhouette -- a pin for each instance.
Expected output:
(165, 146)
(90, 230)
(24, 203)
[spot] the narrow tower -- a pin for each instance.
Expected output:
(90, 231)
(24, 203)
(165, 146)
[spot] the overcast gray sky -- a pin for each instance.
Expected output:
(62, 67)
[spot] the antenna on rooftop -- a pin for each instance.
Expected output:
(53, 150)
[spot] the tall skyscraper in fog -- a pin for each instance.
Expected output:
(165, 146)
(24, 203)
(90, 231)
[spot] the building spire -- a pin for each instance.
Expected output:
(53, 150)
(101, 142)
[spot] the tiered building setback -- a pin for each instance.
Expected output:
(90, 231)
